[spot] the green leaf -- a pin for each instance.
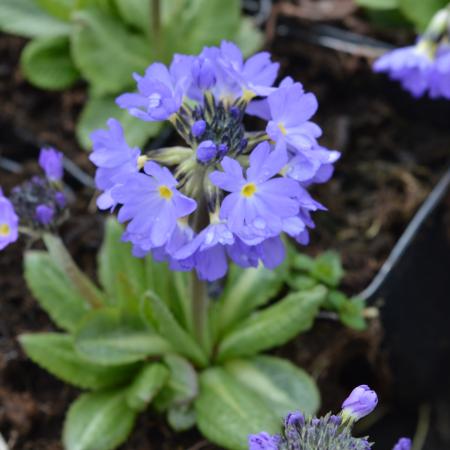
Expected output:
(301, 282)
(106, 52)
(98, 421)
(351, 313)
(273, 326)
(227, 411)
(107, 337)
(182, 417)
(379, 4)
(55, 353)
(46, 63)
(249, 38)
(57, 8)
(136, 13)
(182, 385)
(54, 291)
(146, 385)
(246, 290)
(168, 327)
(327, 268)
(121, 274)
(25, 18)
(421, 12)
(283, 386)
(98, 110)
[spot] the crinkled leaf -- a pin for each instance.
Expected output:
(57, 8)
(283, 386)
(327, 267)
(98, 421)
(301, 282)
(98, 109)
(246, 290)
(182, 385)
(25, 18)
(108, 337)
(146, 385)
(55, 352)
(121, 274)
(181, 417)
(167, 326)
(227, 411)
(54, 291)
(137, 13)
(273, 326)
(47, 64)
(106, 52)
(351, 313)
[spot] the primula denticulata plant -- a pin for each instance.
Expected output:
(175, 325)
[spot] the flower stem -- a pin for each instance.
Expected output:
(80, 281)
(200, 306)
(155, 24)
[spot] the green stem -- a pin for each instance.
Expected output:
(80, 281)
(200, 306)
(155, 17)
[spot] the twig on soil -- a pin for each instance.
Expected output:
(78, 174)
(423, 426)
(3, 445)
(10, 165)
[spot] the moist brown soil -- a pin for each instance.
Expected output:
(393, 150)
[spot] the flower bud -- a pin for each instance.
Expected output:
(206, 151)
(44, 214)
(52, 162)
(361, 402)
(198, 128)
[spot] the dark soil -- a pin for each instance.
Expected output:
(393, 150)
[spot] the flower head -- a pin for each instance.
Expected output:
(403, 444)
(9, 222)
(230, 193)
(51, 162)
(263, 441)
(44, 214)
(361, 402)
(439, 79)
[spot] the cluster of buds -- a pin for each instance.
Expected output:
(37, 205)
(424, 66)
(229, 193)
(331, 432)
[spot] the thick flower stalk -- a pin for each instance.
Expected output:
(423, 67)
(36, 206)
(331, 432)
(228, 193)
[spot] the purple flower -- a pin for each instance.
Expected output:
(206, 151)
(51, 162)
(203, 73)
(410, 65)
(152, 205)
(115, 161)
(60, 199)
(9, 222)
(439, 78)
(403, 444)
(208, 251)
(361, 402)
(263, 441)
(160, 90)
(290, 111)
(257, 203)
(255, 76)
(44, 214)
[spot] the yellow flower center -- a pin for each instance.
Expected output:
(165, 192)
(4, 230)
(248, 190)
(141, 161)
(282, 128)
(248, 95)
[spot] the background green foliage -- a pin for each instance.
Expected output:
(104, 41)
(417, 12)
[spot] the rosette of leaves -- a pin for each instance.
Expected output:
(134, 347)
(104, 41)
(326, 271)
(394, 12)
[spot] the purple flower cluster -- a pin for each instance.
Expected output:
(37, 204)
(231, 193)
(330, 432)
(424, 67)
